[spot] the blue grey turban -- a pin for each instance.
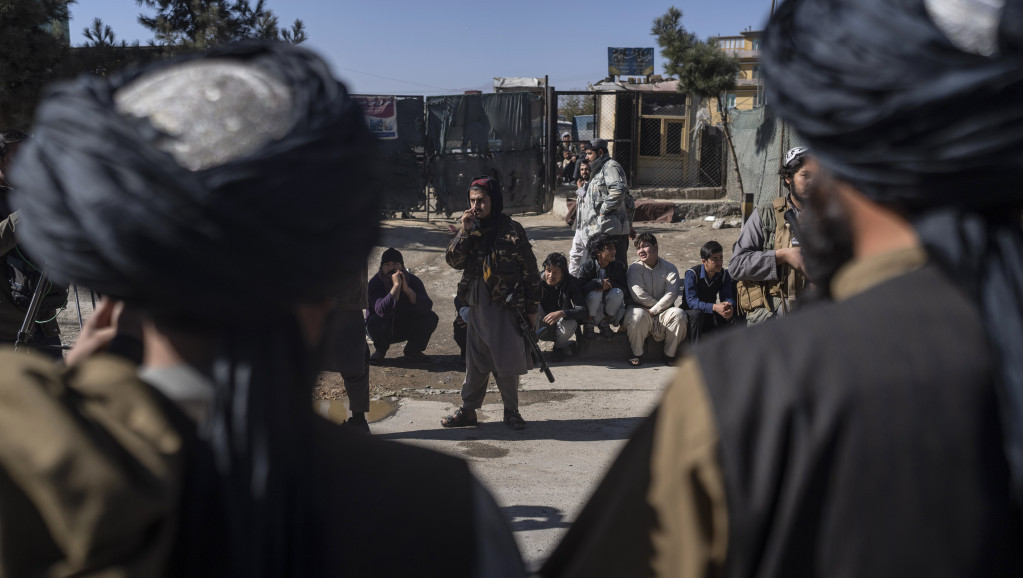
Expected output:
(919, 104)
(219, 192)
(241, 181)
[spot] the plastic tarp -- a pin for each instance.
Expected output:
(517, 83)
(499, 135)
(519, 173)
(760, 142)
(403, 180)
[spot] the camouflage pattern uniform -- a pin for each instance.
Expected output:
(511, 262)
(607, 207)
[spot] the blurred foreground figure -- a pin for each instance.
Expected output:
(227, 198)
(877, 432)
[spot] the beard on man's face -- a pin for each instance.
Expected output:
(825, 235)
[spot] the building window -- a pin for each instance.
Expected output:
(673, 137)
(663, 104)
(660, 136)
(756, 44)
(730, 101)
(650, 137)
(756, 71)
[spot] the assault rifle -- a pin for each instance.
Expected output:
(530, 336)
(28, 324)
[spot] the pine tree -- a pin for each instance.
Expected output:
(701, 68)
(703, 71)
(100, 35)
(202, 24)
(32, 48)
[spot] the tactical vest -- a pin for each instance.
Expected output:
(790, 283)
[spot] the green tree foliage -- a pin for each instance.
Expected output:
(100, 35)
(202, 24)
(574, 105)
(701, 68)
(31, 51)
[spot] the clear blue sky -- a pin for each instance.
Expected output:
(449, 46)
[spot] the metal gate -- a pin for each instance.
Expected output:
(445, 141)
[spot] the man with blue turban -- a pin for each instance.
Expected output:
(226, 199)
(879, 431)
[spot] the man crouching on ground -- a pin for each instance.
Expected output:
(498, 273)
(562, 305)
(400, 310)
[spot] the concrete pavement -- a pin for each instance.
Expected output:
(543, 475)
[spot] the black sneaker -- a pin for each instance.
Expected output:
(513, 419)
(357, 423)
(377, 358)
(605, 330)
(588, 332)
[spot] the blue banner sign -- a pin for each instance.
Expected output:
(630, 61)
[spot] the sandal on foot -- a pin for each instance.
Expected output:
(460, 419)
(513, 419)
(634, 361)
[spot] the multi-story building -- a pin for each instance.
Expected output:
(749, 84)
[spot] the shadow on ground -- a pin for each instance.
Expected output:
(568, 430)
(525, 518)
(439, 363)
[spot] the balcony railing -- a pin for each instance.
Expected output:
(742, 52)
(748, 81)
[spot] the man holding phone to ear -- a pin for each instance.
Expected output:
(499, 273)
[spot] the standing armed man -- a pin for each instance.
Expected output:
(879, 432)
(766, 259)
(178, 186)
(498, 273)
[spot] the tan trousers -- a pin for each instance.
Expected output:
(668, 326)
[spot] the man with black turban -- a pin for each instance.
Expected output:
(499, 274)
(204, 195)
(876, 432)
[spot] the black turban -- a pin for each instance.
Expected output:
(917, 103)
(219, 191)
(106, 205)
(493, 188)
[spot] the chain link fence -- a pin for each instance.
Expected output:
(760, 142)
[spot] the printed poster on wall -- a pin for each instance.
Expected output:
(381, 115)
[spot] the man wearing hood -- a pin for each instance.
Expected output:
(879, 430)
(499, 274)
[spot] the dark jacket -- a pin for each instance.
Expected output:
(565, 296)
(384, 305)
(590, 276)
(512, 263)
